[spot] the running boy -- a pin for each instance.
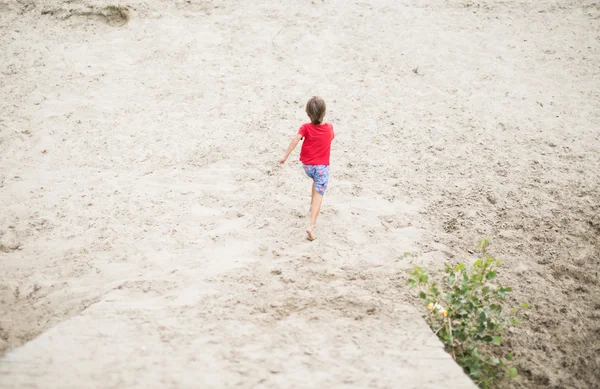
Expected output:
(314, 155)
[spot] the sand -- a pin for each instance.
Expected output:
(149, 237)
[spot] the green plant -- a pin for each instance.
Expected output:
(116, 15)
(466, 313)
(120, 11)
(116, 8)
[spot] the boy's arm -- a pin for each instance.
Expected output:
(291, 148)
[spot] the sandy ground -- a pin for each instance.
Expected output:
(148, 233)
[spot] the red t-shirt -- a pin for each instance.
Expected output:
(317, 143)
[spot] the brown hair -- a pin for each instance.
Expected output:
(315, 109)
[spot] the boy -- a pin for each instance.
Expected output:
(314, 155)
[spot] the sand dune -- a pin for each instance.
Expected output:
(148, 236)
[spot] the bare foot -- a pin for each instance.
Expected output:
(310, 235)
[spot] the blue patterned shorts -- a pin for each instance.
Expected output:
(320, 174)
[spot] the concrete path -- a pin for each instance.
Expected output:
(313, 332)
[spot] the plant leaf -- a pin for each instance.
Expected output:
(512, 372)
(451, 279)
(497, 340)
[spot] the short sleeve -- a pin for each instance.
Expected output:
(303, 131)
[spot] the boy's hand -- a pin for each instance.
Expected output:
(291, 148)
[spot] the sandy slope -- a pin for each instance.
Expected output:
(143, 208)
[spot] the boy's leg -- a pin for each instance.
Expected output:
(315, 208)
(312, 197)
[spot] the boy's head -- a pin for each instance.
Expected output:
(315, 109)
